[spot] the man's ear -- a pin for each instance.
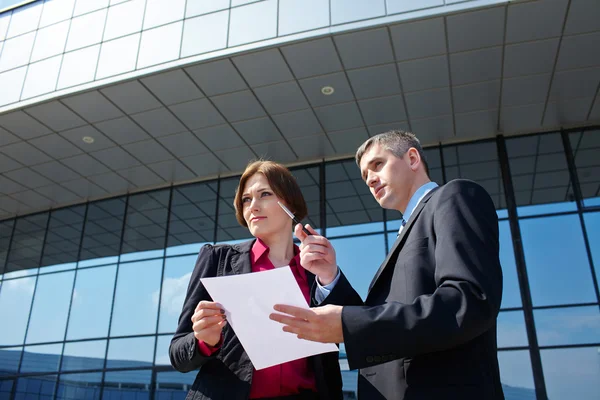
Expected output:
(414, 158)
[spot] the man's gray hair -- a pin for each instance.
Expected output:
(397, 142)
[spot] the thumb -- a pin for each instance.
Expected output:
(299, 232)
(310, 229)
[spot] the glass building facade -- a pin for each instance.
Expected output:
(90, 294)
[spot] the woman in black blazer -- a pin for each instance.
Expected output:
(203, 340)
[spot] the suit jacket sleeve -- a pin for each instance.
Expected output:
(184, 352)
(342, 294)
(468, 278)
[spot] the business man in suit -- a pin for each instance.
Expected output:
(427, 329)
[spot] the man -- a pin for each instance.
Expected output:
(427, 329)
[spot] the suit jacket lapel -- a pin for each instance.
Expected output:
(240, 261)
(401, 239)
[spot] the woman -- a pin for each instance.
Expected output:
(204, 340)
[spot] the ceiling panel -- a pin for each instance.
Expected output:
(298, 123)
(375, 81)
(141, 176)
(315, 57)
(559, 113)
(535, 20)
(475, 29)
(583, 17)
(23, 125)
(278, 151)
(258, 130)
(423, 74)
(521, 118)
(122, 130)
(348, 141)
(92, 106)
(131, 97)
(476, 66)
(7, 137)
(525, 90)
(172, 170)
(219, 137)
(85, 165)
(25, 153)
(282, 97)
(431, 34)
(433, 130)
(312, 146)
(430, 103)
(575, 83)
(56, 171)
(478, 96)
(55, 146)
(8, 164)
(204, 164)
(263, 68)
(476, 124)
(197, 114)
(239, 106)
(528, 58)
(159, 122)
(382, 110)
(148, 151)
(76, 136)
(579, 51)
(236, 159)
(365, 48)
(116, 158)
(217, 77)
(339, 117)
(172, 87)
(183, 144)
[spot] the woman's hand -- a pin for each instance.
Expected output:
(208, 322)
(317, 255)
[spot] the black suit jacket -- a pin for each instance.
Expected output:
(427, 329)
(227, 374)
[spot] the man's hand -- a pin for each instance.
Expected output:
(317, 255)
(319, 324)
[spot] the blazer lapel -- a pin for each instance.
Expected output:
(240, 261)
(401, 239)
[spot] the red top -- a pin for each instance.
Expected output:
(290, 377)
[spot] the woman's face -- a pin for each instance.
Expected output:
(262, 213)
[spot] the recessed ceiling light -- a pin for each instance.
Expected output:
(327, 90)
(88, 139)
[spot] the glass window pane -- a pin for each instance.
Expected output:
(124, 19)
(161, 12)
(228, 227)
(354, 10)
(162, 350)
(102, 235)
(15, 303)
(6, 388)
(253, 22)
(540, 175)
(309, 182)
(78, 67)
(348, 199)
(145, 225)
(360, 258)
(516, 375)
(41, 358)
(79, 386)
(573, 325)
(571, 373)
(25, 19)
(9, 360)
(86, 30)
(478, 162)
(50, 308)
(511, 295)
(136, 298)
(6, 228)
(178, 271)
(557, 263)
(84, 355)
(159, 45)
(173, 385)
(302, 15)
(127, 384)
(192, 219)
(27, 242)
(511, 329)
(64, 236)
(134, 352)
(592, 227)
(93, 295)
(585, 146)
(56, 11)
(36, 388)
(197, 7)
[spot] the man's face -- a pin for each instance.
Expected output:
(389, 178)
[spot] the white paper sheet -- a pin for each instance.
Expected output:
(248, 300)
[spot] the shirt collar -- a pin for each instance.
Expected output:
(416, 199)
(260, 249)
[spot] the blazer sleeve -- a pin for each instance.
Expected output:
(342, 294)
(468, 291)
(183, 351)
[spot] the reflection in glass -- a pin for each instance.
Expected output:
(41, 358)
(572, 373)
(308, 180)
(173, 385)
(253, 22)
(127, 384)
(64, 236)
(592, 227)
(131, 352)
(79, 386)
(557, 263)
(511, 329)
(15, 303)
(48, 319)
(511, 295)
(102, 234)
(80, 356)
(27, 242)
(92, 297)
(228, 227)
(354, 10)
(6, 388)
(136, 298)
(9, 360)
(192, 218)
(348, 199)
(162, 350)
(573, 325)
(585, 148)
(359, 258)
(6, 228)
(178, 271)
(539, 173)
(36, 388)
(516, 375)
(145, 225)
(304, 15)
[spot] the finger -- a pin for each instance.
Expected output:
(208, 312)
(294, 311)
(204, 323)
(205, 304)
(310, 229)
(300, 233)
(288, 321)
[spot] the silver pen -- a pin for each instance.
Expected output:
(293, 217)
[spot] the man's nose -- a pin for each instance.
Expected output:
(371, 179)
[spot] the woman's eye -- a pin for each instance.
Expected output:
(263, 194)
(246, 200)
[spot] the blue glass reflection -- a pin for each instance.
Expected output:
(35, 388)
(573, 325)
(516, 375)
(511, 294)
(557, 263)
(92, 296)
(9, 360)
(173, 385)
(79, 386)
(592, 227)
(577, 381)
(41, 358)
(511, 329)
(87, 355)
(127, 384)
(15, 303)
(130, 352)
(136, 298)
(178, 271)
(360, 258)
(162, 350)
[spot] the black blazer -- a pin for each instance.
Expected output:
(428, 330)
(227, 374)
